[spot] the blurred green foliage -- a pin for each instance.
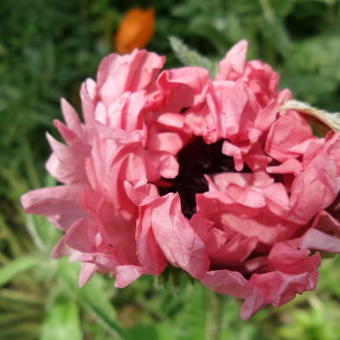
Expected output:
(46, 49)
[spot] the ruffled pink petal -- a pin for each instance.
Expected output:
(115, 161)
(234, 62)
(256, 158)
(318, 185)
(128, 73)
(170, 142)
(277, 199)
(294, 271)
(288, 257)
(234, 252)
(230, 100)
(60, 249)
(86, 272)
(160, 164)
(223, 250)
(180, 244)
(247, 197)
(290, 166)
(71, 117)
(233, 151)
(227, 282)
(124, 113)
(323, 235)
(59, 204)
(171, 120)
(289, 131)
(203, 121)
(182, 87)
(315, 239)
(149, 252)
(267, 227)
(82, 235)
(275, 288)
(67, 162)
(141, 194)
(116, 229)
(126, 274)
(327, 223)
(87, 95)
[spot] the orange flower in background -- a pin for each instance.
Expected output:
(136, 29)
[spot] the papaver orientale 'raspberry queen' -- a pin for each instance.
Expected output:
(209, 175)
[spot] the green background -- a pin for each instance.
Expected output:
(46, 49)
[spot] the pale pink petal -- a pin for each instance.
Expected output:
(326, 222)
(227, 282)
(248, 197)
(277, 198)
(256, 158)
(288, 257)
(232, 99)
(276, 288)
(235, 152)
(126, 274)
(67, 162)
(149, 252)
(290, 166)
(315, 239)
(233, 253)
(182, 87)
(165, 141)
(115, 226)
(203, 121)
(294, 272)
(87, 95)
(267, 227)
(59, 204)
(161, 164)
(125, 113)
(318, 185)
(234, 61)
(171, 120)
(82, 235)
(86, 272)
(289, 131)
(141, 194)
(131, 72)
(71, 117)
(60, 249)
(180, 244)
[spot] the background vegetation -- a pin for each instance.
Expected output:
(46, 49)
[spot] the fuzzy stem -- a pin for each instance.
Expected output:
(214, 316)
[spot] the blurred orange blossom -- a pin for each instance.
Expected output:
(135, 30)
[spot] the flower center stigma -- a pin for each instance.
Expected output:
(195, 160)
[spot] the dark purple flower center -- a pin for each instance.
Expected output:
(195, 160)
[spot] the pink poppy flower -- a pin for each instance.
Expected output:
(209, 175)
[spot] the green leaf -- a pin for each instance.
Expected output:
(15, 298)
(42, 232)
(13, 268)
(190, 57)
(19, 331)
(147, 332)
(13, 239)
(62, 322)
(191, 320)
(93, 297)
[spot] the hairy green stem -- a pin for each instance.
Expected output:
(214, 316)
